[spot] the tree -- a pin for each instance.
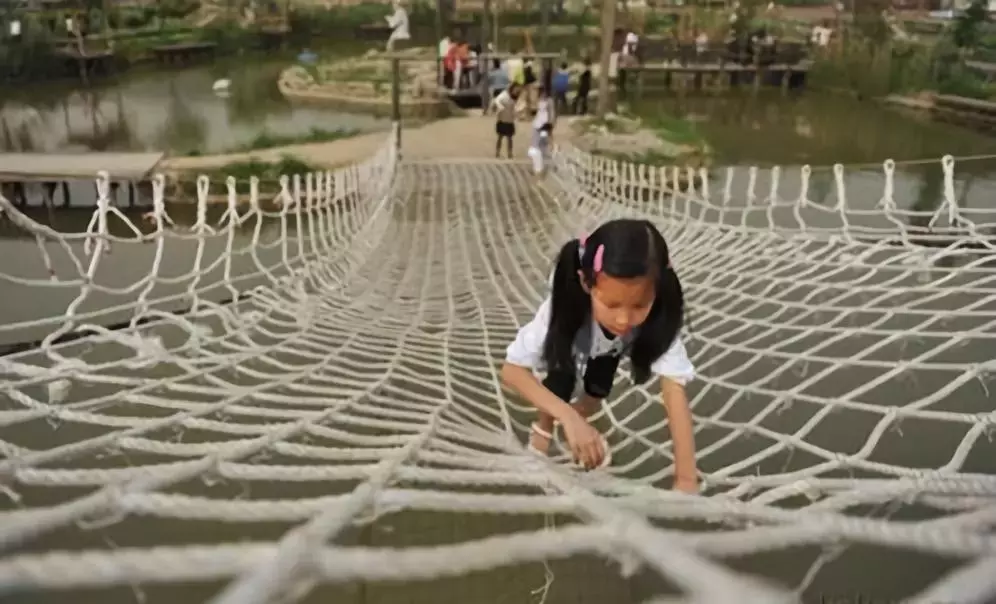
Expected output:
(966, 33)
(608, 28)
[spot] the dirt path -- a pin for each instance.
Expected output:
(458, 137)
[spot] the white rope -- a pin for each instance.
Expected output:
(358, 359)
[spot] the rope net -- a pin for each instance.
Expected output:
(297, 399)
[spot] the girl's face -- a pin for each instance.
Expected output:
(620, 305)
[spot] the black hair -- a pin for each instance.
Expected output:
(632, 248)
(563, 65)
(546, 127)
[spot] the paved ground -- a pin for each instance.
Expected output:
(457, 137)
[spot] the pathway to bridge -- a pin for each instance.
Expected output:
(468, 137)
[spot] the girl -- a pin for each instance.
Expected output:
(614, 294)
(539, 147)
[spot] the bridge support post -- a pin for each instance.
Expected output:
(396, 100)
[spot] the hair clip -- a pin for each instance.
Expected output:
(596, 264)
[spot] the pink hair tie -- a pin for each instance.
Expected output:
(596, 264)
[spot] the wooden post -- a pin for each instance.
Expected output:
(757, 70)
(396, 98)
(544, 24)
(439, 37)
(608, 24)
(484, 65)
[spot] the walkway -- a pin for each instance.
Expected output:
(21, 167)
(458, 137)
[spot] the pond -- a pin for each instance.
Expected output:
(822, 129)
(173, 110)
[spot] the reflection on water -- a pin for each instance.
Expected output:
(821, 130)
(816, 129)
(174, 110)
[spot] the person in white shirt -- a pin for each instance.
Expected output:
(399, 25)
(504, 107)
(820, 35)
(540, 143)
(614, 294)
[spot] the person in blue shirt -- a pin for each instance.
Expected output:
(560, 83)
(497, 79)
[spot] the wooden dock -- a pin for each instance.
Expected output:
(184, 53)
(716, 76)
(90, 61)
(58, 175)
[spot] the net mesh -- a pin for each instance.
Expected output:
(322, 359)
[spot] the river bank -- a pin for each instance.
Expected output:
(964, 111)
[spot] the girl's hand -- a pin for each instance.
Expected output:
(585, 442)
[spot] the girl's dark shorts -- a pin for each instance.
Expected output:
(599, 374)
(505, 129)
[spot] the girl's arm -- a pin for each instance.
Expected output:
(585, 442)
(675, 370)
(522, 380)
(680, 417)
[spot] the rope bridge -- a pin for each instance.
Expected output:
(285, 379)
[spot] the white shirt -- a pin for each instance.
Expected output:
(544, 113)
(821, 35)
(504, 107)
(399, 22)
(527, 349)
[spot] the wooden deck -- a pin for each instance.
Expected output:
(73, 52)
(55, 167)
(184, 52)
(726, 67)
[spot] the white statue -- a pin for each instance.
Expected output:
(399, 24)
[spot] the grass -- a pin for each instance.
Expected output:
(676, 130)
(268, 173)
(693, 147)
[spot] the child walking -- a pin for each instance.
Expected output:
(614, 294)
(539, 147)
(539, 144)
(504, 106)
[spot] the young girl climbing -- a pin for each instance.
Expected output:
(614, 293)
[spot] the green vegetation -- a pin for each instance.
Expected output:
(268, 173)
(871, 64)
(660, 139)
(677, 130)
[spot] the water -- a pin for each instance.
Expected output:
(816, 128)
(819, 130)
(172, 110)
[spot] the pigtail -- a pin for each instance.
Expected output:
(569, 308)
(666, 317)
